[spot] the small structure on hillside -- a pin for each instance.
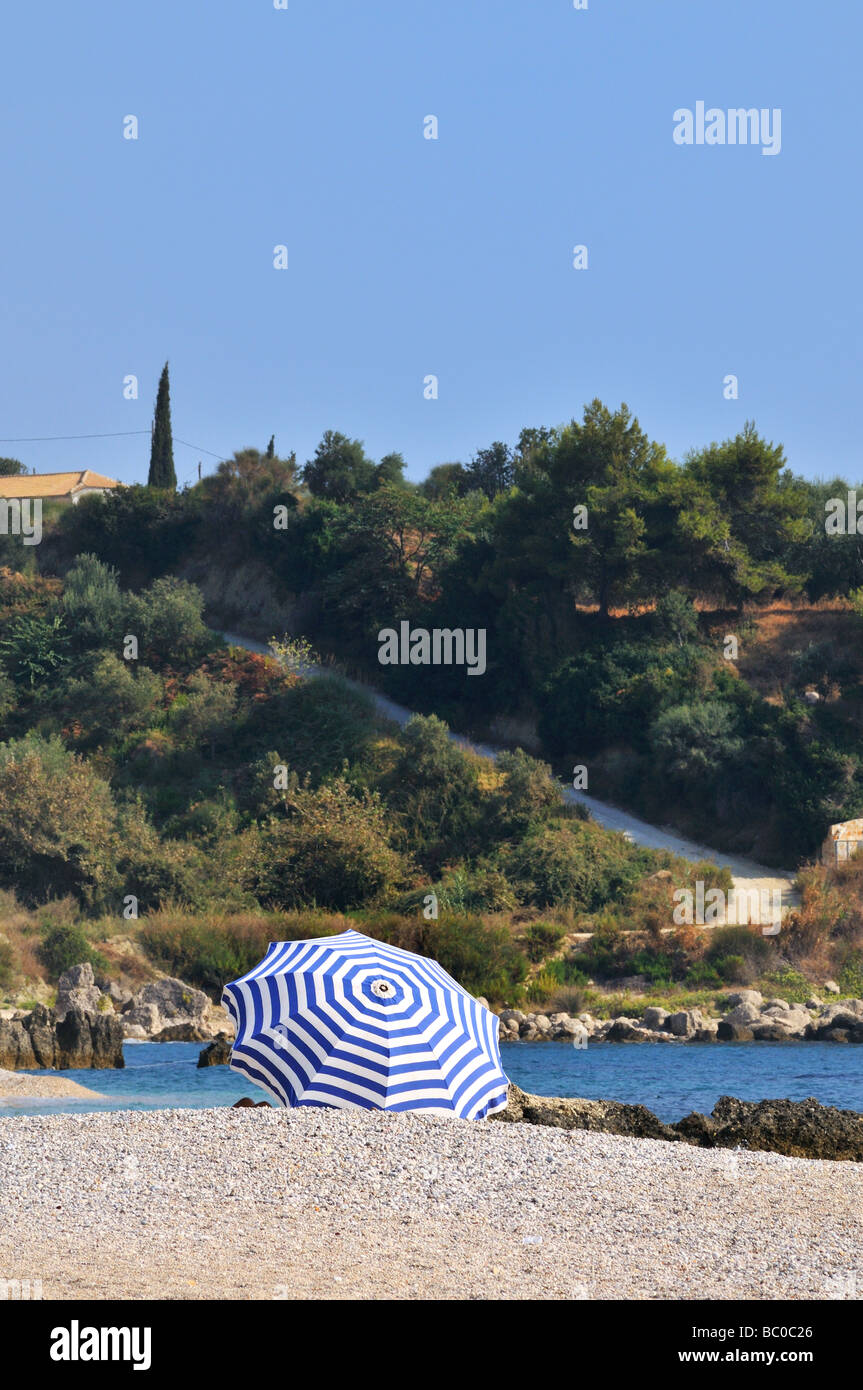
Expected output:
(842, 841)
(60, 487)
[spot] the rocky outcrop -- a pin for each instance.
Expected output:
(749, 1018)
(76, 989)
(799, 1129)
(605, 1116)
(168, 1004)
(79, 1039)
(217, 1054)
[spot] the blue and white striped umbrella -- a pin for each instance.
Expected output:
(350, 1022)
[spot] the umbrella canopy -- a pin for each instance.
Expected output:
(350, 1022)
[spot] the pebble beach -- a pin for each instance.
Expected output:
(326, 1204)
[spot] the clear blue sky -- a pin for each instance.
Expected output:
(408, 256)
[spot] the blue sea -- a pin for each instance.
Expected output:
(670, 1080)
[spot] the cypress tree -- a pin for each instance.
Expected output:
(271, 447)
(162, 472)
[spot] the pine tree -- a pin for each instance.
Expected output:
(271, 447)
(162, 472)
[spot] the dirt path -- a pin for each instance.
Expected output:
(756, 881)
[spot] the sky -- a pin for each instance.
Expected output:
(410, 257)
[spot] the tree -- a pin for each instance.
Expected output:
(162, 472)
(746, 512)
(446, 480)
(271, 448)
(93, 603)
(246, 480)
(166, 619)
(11, 468)
(491, 469)
(608, 465)
(339, 470)
(391, 471)
(57, 825)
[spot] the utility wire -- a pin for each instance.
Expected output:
(115, 434)
(45, 438)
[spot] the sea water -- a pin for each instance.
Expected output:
(670, 1079)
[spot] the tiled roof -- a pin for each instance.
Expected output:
(53, 484)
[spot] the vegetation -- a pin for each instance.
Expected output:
(694, 645)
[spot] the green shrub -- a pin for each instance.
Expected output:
(166, 619)
(541, 938)
(434, 786)
(7, 963)
(57, 824)
(331, 850)
(324, 722)
(851, 975)
(208, 952)
(573, 863)
(64, 945)
(482, 888)
(528, 792)
(116, 698)
(93, 605)
(739, 954)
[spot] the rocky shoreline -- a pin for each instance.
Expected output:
(750, 1018)
(89, 1024)
(796, 1128)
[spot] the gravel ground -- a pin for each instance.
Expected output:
(20, 1084)
(349, 1204)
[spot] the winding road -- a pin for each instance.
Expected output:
(754, 883)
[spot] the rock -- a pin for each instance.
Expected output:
(134, 1030)
(770, 1032)
(627, 1030)
(814, 1002)
(604, 1116)
(542, 1024)
(792, 1022)
(655, 1017)
(685, 1023)
(774, 1005)
(734, 1032)
(168, 1003)
(80, 1039)
(119, 995)
(76, 989)
(708, 1031)
(483, 1001)
(217, 1053)
(797, 1128)
(145, 1016)
(847, 1015)
(182, 1032)
(745, 996)
(837, 1035)
(743, 1013)
(89, 1040)
(831, 987)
